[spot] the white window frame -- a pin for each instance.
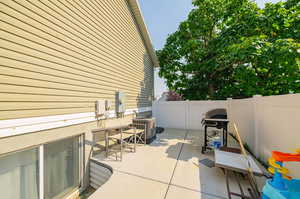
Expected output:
(81, 161)
(41, 171)
(81, 138)
(40, 189)
(41, 161)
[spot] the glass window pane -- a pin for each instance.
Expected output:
(19, 175)
(61, 167)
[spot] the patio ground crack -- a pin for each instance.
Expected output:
(181, 147)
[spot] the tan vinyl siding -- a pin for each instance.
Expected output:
(58, 57)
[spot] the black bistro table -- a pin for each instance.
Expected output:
(216, 123)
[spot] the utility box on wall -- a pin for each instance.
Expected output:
(100, 107)
(120, 102)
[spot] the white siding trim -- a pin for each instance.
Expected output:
(28, 125)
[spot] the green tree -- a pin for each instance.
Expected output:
(232, 48)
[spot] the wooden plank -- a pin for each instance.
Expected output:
(133, 131)
(118, 136)
(236, 162)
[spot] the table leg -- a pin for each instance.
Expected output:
(205, 140)
(121, 145)
(223, 137)
(226, 136)
(227, 183)
(134, 139)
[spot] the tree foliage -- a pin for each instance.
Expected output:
(232, 48)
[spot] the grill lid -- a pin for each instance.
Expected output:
(219, 113)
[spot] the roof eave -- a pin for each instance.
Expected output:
(135, 8)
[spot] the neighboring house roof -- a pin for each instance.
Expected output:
(143, 29)
(164, 97)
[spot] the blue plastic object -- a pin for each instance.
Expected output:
(282, 186)
(291, 190)
(216, 144)
(278, 181)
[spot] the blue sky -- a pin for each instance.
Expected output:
(162, 18)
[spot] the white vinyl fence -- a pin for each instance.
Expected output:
(265, 123)
(183, 114)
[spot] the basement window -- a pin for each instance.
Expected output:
(61, 167)
(48, 171)
(19, 175)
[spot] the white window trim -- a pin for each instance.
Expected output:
(41, 160)
(28, 125)
(41, 165)
(81, 161)
(41, 171)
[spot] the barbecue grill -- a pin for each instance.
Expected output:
(216, 118)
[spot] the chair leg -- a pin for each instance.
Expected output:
(106, 143)
(121, 147)
(145, 133)
(116, 154)
(135, 140)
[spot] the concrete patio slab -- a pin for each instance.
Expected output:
(155, 161)
(179, 192)
(199, 178)
(167, 168)
(122, 185)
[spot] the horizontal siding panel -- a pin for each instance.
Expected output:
(87, 35)
(44, 14)
(25, 98)
(8, 26)
(58, 57)
(131, 33)
(63, 71)
(4, 88)
(45, 112)
(64, 64)
(123, 37)
(31, 83)
(58, 51)
(21, 105)
(41, 112)
(32, 94)
(78, 11)
(12, 106)
(73, 31)
(21, 77)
